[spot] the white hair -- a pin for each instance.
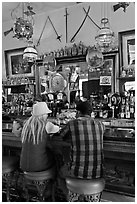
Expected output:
(34, 129)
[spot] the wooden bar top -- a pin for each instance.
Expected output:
(9, 139)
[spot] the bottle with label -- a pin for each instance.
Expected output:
(65, 51)
(61, 52)
(122, 113)
(80, 49)
(132, 97)
(74, 50)
(132, 105)
(58, 53)
(101, 110)
(132, 110)
(127, 110)
(122, 107)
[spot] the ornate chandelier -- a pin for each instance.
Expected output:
(23, 21)
(22, 29)
(105, 36)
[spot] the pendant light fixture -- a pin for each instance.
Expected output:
(105, 36)
(23, 21)
(30, 53)
(94, 58)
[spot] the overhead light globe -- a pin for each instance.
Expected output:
(30, 54)
(94, 57)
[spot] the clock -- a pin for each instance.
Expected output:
(58, 83)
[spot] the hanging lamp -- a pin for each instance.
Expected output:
(23, 21)
(30, 54)
(105, 36)
(94, 58)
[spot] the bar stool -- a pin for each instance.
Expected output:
(10, 165)
(84, 190)
(40, 181)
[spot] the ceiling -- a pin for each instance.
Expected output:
(38, 7)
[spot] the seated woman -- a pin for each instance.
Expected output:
(35, 156)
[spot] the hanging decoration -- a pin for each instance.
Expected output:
(123, 5)
(58, 36)
(38, 43)
(23, 21)
(105, 36)
(94, 58)
(72, 39)
(30, 53)
(91, 19)
(66, 15)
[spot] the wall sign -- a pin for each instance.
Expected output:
(105, 80)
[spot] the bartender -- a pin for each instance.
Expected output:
(63, 104)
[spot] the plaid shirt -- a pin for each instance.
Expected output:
(86, 137)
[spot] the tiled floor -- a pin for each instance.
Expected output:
(114, 197)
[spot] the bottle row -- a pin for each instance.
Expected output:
(114, 106)
(12, 81)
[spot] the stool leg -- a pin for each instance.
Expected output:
(53, 191)
(72, 197)
(7, 178)
(26, 189)
(41, 186)
(16, 176)
(75, 197)
(93, 198)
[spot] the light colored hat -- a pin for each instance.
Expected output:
(40, 108)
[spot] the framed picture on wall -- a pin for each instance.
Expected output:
(106, 71)
(127, 51)
(15, 66)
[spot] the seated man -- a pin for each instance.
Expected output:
(85, 136)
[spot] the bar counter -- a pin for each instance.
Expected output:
(119, 151)
(119, 155)
(111, 144)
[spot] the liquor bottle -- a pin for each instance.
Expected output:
(127, 110)
(132, 97)
(101, 110)
(69, 51)
(65, 51)
(122, 113)
(80, 48)
(132, 105)
(61, 52)
(74, 50)
(58, 53)
(132, 110)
